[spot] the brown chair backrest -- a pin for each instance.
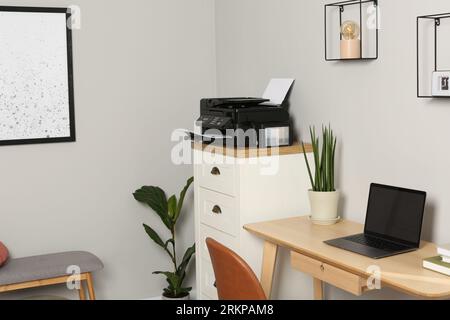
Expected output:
(235, 280)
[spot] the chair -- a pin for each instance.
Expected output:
(235, 280)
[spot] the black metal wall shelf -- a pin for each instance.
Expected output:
(340, 9)
(437, 18)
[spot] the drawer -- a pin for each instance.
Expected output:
(225, 239)
(218, 211)
(339, 278)
(217, 177)
(207, 280)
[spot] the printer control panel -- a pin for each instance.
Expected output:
(214, 122)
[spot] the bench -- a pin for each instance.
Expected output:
(50, 269)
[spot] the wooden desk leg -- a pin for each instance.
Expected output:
(268, 267)
(81, 291)
(318, 289)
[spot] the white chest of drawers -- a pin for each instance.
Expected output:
(236, 187)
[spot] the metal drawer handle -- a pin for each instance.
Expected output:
(217, 210)
(322, 268)
(215, 171)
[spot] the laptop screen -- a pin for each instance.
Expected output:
(395, 214)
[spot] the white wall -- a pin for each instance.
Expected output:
(386, 134)
(141, 67)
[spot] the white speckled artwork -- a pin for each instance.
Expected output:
(34, 82)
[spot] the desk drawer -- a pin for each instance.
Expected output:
(225, 239)
(217, 177)
(218, 211)
(339, 278)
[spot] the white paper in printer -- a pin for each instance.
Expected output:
(277, 90)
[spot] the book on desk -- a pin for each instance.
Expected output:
(440, 263)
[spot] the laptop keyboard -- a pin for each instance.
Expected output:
(375, 243)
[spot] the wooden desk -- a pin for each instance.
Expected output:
(343, 269)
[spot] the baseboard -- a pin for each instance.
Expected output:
(153, 298)
(193, 296)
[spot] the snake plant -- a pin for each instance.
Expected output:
(169, 212)
(324, 155)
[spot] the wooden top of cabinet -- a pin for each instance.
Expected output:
(296, 148)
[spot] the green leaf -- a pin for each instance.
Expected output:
(154, 236)
(169, 292)
(171, 241)
(185, 290)
(181, 200)
(175, 280)
(330, 159)
(315, 144)
(327, 158)
(308, 166)
(174, 289)
(318, 166)
(172, 278)
(156, 199)
(323, 165)
(170, 287)
(166, 273)
(185, 262)
(157, 239)
(172, 206)
(333, 162)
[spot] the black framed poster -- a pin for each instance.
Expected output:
(36, 76)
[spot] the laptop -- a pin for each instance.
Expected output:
(393, 223)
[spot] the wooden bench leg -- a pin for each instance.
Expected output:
(81, 291)
(90, 286)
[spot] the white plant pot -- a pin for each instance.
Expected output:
(324, 206)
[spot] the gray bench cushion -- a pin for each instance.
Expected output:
(47, 266)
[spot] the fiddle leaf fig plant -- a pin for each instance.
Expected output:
(169, 211)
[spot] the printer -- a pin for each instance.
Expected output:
(248, 122)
